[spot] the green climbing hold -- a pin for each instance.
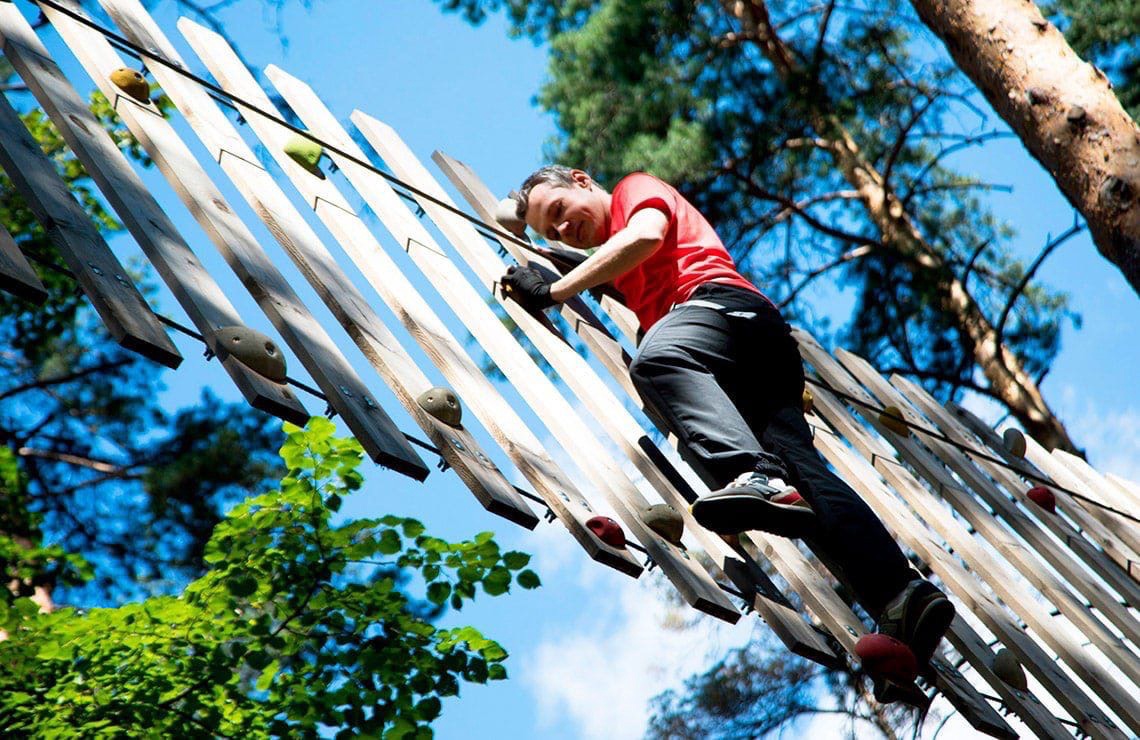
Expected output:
(253, 349)
(132, 83)
(1008, 669)
(665, 521)
(307, 153)
(1014, 442)
(443, 404)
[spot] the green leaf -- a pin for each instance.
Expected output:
(429, 708)
(333, 502)
(241, 586)
(515, 560)
(389, 542)
(438, 592)
(497, 582)
(267, 675)
(528, 579)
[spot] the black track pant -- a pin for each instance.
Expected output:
(724, 373)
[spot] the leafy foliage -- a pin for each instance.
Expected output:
(299, 627)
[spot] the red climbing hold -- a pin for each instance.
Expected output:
(607, 530)
(885, 657)
(1044, 498)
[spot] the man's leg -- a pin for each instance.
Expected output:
(848, 534)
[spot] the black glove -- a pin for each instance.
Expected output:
(529, 287)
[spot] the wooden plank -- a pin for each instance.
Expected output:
(863, 476)
(124, 311)
(784, 555)
(1107, 492)
(1056, 469)
(560, 418)
(16, 275)
(1029, 561)
(319, 267)
(964, 464)
(192, 286)
(1091, 527)
(996, 575)
(345, 392)
(480, 398)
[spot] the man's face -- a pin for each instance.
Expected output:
(577, 216)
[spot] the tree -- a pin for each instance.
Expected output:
(1107, 32)
(89, 458)
(1061, 107)
(301, 625)
(761, 688)
(816, 142)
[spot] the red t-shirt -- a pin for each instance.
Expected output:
(691, 254)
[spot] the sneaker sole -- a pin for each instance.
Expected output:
(733, 513)
(930, 627)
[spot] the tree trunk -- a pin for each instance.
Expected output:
(1061, 107)
(1008, 380)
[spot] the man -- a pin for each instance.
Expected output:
(718, 363)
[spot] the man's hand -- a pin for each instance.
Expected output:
(528, 286)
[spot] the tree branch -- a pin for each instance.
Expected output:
(844, 258)
(65, 378)
(1050, 246)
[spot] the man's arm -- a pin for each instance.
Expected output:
(619, 254)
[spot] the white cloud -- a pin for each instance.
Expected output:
(599, 673)
(1110, 435)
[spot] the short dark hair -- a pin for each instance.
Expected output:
(556, 175)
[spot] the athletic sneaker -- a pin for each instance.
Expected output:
(755, 501)
(919, 616)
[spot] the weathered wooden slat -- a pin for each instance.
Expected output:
(1097, 560)
(345, 392)
(562, 420)
(343, 298)
(124, 311)
(196, 291)
(16, 275)
(1092, 528)
(747, 576)
(864, 477)
(1056, 468)
(999, 577)
(782, 553)
(1110, 493)
(1031, 563)
(480, 398)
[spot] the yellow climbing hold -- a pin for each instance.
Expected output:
(809, 401)
(307, 153)
(132, 83)
(892, 418)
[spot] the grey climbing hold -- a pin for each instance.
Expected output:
(1008, 669)
(253, 349)
(132, 83)
(307, 153)
(665, 521)
(441, 403)
(1014, 442)
(506, 213)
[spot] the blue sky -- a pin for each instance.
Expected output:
(588, 648)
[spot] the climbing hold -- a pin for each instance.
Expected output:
(442, 404)
(506, 213)
(1009, 670)
(252, 349)
(885, 657)
(809, 401)
(665, 521)
(892, 418)
(132, 83)
(307, 153)
(607, 530)
(1043, 497)
(1014, 442)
